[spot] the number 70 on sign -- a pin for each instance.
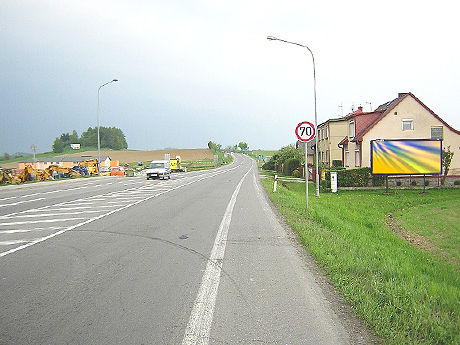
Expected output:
(305, 131)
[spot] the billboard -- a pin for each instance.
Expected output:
(406, 157)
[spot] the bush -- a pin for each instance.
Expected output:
(351, 178)
(399, 183)
(325, 185)
(290, 165)
(296, 173)
(336, 163)
(413, 183)
(378, 180)
(457, 182)
(270, 165)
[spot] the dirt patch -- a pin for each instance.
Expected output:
(130, 156)
(414, 239)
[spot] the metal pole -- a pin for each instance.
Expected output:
(271, 38)
(98, 134)
(306, 173)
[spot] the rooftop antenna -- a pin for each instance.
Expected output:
(370, 104)
(341, 108)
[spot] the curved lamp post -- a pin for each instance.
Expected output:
(98, 134)
(271, 38)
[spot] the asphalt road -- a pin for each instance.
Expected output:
(198, 259)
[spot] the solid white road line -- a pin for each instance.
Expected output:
(200, 321)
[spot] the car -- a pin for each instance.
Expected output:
(158, 169)
(117, 171)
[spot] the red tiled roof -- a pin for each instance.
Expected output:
(386, 108)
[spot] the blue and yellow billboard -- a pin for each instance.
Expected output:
(406, 157)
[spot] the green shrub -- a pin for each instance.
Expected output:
(351, 178)
(296, 173)
(270, 165)
(336, 163)
(378, 180)
(290, 165)
(457, 182)
(413, 183)
(399, 183)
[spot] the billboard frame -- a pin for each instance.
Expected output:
(439, 172)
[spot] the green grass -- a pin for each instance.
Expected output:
(406, 294)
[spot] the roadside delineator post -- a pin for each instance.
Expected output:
(275, 183)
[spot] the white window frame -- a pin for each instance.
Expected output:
(357, 159)
(405, 122)
(351, 129)
(347, 158)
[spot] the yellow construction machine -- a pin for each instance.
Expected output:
(90, 165)
(58, 171)
(5, 176)
(176, 164)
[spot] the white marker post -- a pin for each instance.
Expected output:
(305, 132)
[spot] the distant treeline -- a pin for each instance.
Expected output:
(110, 138)
(242, 146)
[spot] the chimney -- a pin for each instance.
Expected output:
(360, 109)
(402, 94)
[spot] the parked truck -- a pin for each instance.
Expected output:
(158, 169)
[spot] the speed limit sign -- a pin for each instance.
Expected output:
(305, 131)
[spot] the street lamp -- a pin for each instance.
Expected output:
(271, 38)
(98, 134)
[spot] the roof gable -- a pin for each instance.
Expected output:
(386, 108)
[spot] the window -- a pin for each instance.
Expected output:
(351, 129)
(357, 160)
(436, 132)
(407, 124)
(347, 158)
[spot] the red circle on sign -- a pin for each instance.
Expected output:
(305, 131)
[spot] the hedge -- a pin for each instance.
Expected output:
(353, 178)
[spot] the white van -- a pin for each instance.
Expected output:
(160, 169)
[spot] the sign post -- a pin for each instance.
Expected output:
(305, 132)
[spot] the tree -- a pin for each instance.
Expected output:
(243, 146)
(73, 138)
(446, 162)
(287, 152)
(110, 138)
(58, 146)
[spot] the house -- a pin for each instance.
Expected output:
(405, 117)
(330, 133)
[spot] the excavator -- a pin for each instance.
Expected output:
(90, 165)
(87, 167)
(58, 171)
(5, 176)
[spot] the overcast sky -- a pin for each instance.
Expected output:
(193, 71)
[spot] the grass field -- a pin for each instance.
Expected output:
(395, 258)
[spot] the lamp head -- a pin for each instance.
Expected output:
(271, 38)
(115, 80)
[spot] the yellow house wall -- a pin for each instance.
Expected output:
(336, 131)
(390, 127)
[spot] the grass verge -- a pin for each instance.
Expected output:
(407, 293)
